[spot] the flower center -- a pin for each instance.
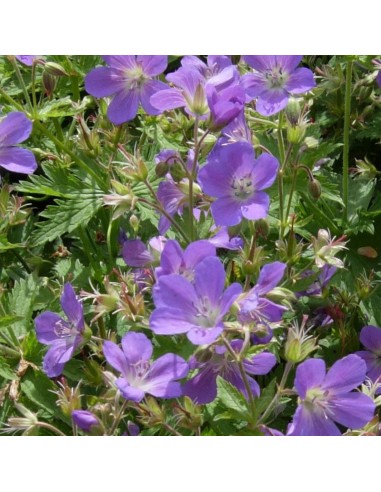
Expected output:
(276, 78)
(63, 329)
(243, 187)
(138, 372)
(135, 77)
(207, 314)
(316, 397)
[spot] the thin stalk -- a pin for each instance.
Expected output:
(278, 394)
(22, 84)
(34, 88)
(347, 116)
(191, 178)
(280, 173)
(50, 427)
(118, 417)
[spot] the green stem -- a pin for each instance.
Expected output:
(34, 88)
(191, 178)
(280, 173)
(293, 183)
(278, 394)
(22, 84)
(118, 418)
(347, 122)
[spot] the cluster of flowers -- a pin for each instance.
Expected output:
(189, 292)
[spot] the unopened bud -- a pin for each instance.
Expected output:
(314, 188)
(55, 69)
(262, 227)
(134, 222)
(177, 172)
(161, 169)
(293, 111)
(49, 82)
(142, 173)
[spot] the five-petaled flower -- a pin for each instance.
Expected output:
(128, 78)
(276, 77)
(62, 336)
(236, 179)
(328, 398)
(139, 374)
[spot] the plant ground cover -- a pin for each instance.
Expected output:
(189, 245)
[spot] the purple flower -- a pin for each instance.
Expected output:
(190, 82)
(63, 337)
(136, 254)
(236, 131)
(254, 307)
(139, 374)
(370, 337)
(237, 179)
(27, 59)
(378, 78)
(221, 239)
(276, 77)
(327, 398)
(128, 79)
(84, 419)
(176, 261)
(315, 289)
(195, 308)
(225, 105)
(214, 65)
(14, 129)
(202, 388)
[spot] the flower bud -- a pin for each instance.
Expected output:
(49, 82)
(134, 223)
(161, 169)
(295, 134)
(54, 69)
(293, 111)
(299, 345)
(262, 227)
(177, 172)
(142, 173)
(314, 188)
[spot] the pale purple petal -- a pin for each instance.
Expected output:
(204, 336)
(198, 251)
(228, 297)
(254, 85)
(345, 375)
(166, 389)
(121, 62)
(260, 364)
(300, 81)
(175, 291)
(308, 422)
(115, 357)
(370, 337)
(202, 388)
(226, 211)
(26, 59)
(260, 63)
(269, 277)
(17, 160)
(45, 327)
(353, 410)
(272, 102)
(103, 82)
(153, 65)
(258, 206)
(123, 107)
(72, 307)
(135, 253)
(136, 347)
(373, 364)
(14, 129)
(168, 99)
(288, 62)
(210, 279)
(264, 171)
(170, 321)
(150, 88)
(309, 374)
(166, 368)
(60, 351)
(129, 392)
(84, 419)
(171, 259)
(234, 377)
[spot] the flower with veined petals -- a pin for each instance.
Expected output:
(276, 77)
(196, 308)
(62, 336)
(14, 129)
(202, 388)
(328, 398)
(370, 337)
(128, 78)
(138, 374)
(237, 179)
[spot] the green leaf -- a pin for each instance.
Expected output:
(21, 303)
(5, 245)
(232, 399)
(266, 396)
(66, 216)
(6, 371)
(9, 320)
(62, 107)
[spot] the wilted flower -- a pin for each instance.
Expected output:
(14, 129)
(326, 248)
(196, 308)
(63, 337)
(276, 77)
(139, 374)
(236, 179)
(129, 80)
(328, 398)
